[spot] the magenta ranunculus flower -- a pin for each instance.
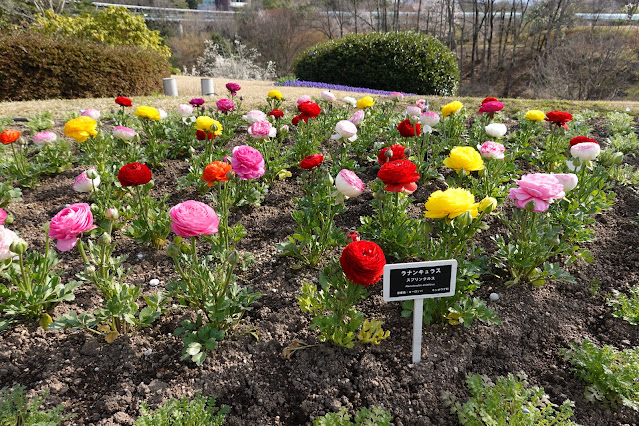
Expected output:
(304, 98)
(247, 162)
(124, 133)
(491, 106)
(567, 180)
(225, 105)
(540, 188)
(3, 216)
(233, 87)
(357, 117)
(83, 183)
(491, 150)
(7, 237)
(253, 116)
(429, 118)
(349, 184)
(42, 138)
(69, 224)
(262, 130)
(197, 102)
(90, 112)
(193, 218)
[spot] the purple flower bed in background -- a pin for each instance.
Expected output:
(319, 85)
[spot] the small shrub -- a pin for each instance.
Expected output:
(626, 307)
(407, 61)
(376, 416)
(15, 409)
(238, 62)
(199, 411)
(611, 375)
(508, 401)
(37, 66)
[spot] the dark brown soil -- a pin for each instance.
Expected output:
(104, 384)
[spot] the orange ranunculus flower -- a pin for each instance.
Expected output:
(216, 172)
(9, 136)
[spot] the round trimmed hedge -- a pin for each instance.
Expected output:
(37, 66)
(407, 61)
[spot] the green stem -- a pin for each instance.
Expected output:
(143, 208)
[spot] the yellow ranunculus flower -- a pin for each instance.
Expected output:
(275, 94)
(148, 112)
(535, 115)
(365, 102)
(452, 107)
(464, 157)
(81, 128)
(450, 203)
(487, 205)
(207, 124)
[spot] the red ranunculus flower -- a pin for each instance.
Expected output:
(399, 176)
(201, 135)
(397, 150)
(134, 174)
(407, 130)
(560, 118)
(579, 139)
(489, 99)
(311, 161)
(363, 262)
(9, 136)
(309, 109)
(121, 100)
(277, 113)
(295, 121)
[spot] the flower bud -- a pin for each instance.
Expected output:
(112, 214)
(379, 195)
(427, 227)
(462, 173)
(90, 270)
(191, 150)
(92, 174)
(173, 250)
(18, 246)
(487, 205)
(351, 237)
(464, 219)
(230, 175)
(388, 153)
(9, 219)
(617, 158)
(341, 295)
(407, 152)
(234, 258)
(555, 240)
(414, 119)
(530, 206)
(284, 129)
(328, 180)
(105, 239)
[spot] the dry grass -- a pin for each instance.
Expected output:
(254, 95)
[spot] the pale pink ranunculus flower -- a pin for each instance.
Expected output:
(7, 237)
(491, 150)
(185, 110)
(3, 216)
(349, 184)
(540, 188)
(43, 138)
(429, 118)
(422, 104)
(304, 98)
(567, 180)
(328, 96)
(357, 117)
(397, 96)
(413, 110)
(124, 133)
(253, 116)
(496, 130)
(345, 130)
(83, 183)
(585, 151)
(225, 105)
(90, 112)
(163, 114)
(262, 130)
(69, 223)
(192, 218)
(247, 162)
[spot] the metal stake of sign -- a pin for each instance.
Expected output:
(418, 320)
(170, 86)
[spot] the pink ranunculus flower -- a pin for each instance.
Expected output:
(193, 218)
(328, 96)
(540, 188)
(7, 237)
(413, 110)
(349, 184)
(262, 130)
(247, 162)
(233, 87)
(70, 223)
(491, 106)
(185, 110)
(422, 104)
(124, 133)
(304, 98)
(396, 96)
(357, 117)
(429, 118)
(3, 216)
(253, 116)
(585, 151)
(83, 183)
(43, 138)
(491, 150)
(345, 130)
(225, 105)
(567, 180)
(90, 112)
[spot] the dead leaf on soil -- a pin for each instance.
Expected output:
(111, 336)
